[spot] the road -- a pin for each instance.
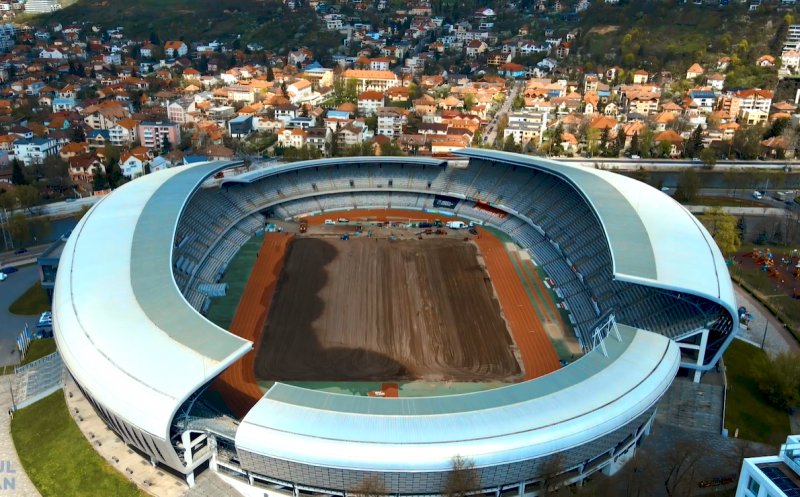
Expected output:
(666, 164)
(490, 132)
(11, 325)
(59, 208)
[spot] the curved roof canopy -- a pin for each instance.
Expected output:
(122, 326)
(653, 239)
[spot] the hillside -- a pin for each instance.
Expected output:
(671, 36)
(265, 22)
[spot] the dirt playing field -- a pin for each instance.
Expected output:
(374, 309)
(237, 384)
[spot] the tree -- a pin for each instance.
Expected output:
(17, 173)
(115, 177)
(518, 103)
(778, 378)
(747, 142)
(635, 144)
(270, 74)
(510, 145)
(166, 145)
(462, 478)
(695, 143)
(27, 197)
(19, 227)
(688, 185)
(100, 181)
(371, 486)
(469, 101)
(709, 157)
(723, 227)
(154, 39)
(682, 460)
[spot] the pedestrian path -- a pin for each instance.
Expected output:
(11, 472)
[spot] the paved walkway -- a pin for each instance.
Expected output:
(777, 340)
(22, 484)
(151, 479)
(693, 406)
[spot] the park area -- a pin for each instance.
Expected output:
(772, 274)
(381, 309)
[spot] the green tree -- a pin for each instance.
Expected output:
(27, 197)
(778, 378)
(695, 143)
(115, 177)
(634, 149)
(518, 102)
(723, 227)
(510, 145)
(688, 185)
(166, 145)
(100, 181)
(709, 157)
(17, 173)
(747, 142)
(19, 227)
(469, 101)
(270, 74)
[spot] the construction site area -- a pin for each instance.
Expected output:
(344, 305)
(372, 309)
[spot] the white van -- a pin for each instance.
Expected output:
(758, 195)
(330, 221)
(456, 225)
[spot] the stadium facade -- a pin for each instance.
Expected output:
(647, 290)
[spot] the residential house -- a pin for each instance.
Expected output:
(133, 162)
(292, 138)
(124, 133)
(369, 101)
(694, 71)
(82, 169)
(175, 49)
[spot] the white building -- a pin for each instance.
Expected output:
(772, 476)
(526, 127)
(34, 150)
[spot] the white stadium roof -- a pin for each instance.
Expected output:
(130, 338)
(122, 326)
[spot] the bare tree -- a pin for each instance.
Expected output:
(681, 462)
(462, 479)
(371, 486)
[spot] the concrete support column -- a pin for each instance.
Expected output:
(701, 355)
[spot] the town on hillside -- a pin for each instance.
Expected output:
(85, 108)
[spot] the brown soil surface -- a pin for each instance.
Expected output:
(374, 309)
(538, 355)
(237, 384)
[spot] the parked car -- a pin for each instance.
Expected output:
(20, 251)
(758, 195)
(9, 270)
(330, 221)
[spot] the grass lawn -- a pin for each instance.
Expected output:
(57, 457)
(222, 309)
(39, 349)
(747, 409)
(33, 301)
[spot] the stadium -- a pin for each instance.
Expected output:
(640, 283)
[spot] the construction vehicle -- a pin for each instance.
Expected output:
(303, 227)
(437, 223)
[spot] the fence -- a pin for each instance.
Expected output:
(37, 380)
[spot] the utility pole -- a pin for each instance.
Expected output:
(7, 239)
